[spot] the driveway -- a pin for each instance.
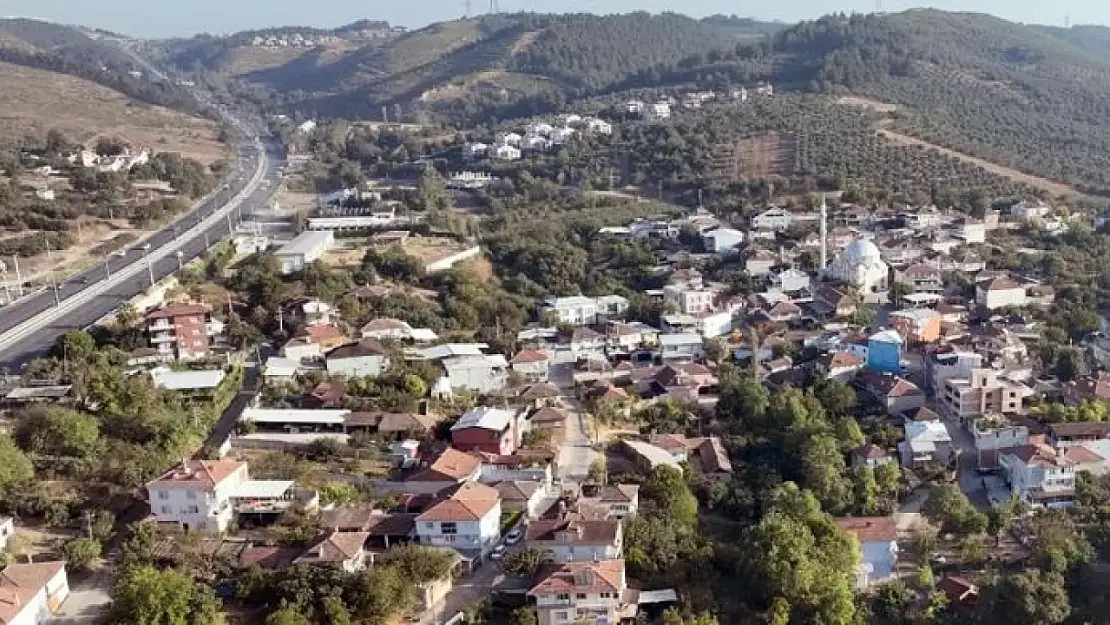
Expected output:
(467, 591)
(88, 600)
(577, 452)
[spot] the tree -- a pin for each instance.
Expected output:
(824, 472)
(144, 595)
(598, 472)
(949, 508)
(523, 616)
(863, 316)
(287, 616)
(526, 562)
(1032, 596)
(60, 432)
(889, 478)
(866, 491)
(15, 467)
(80, 553)
(667, 487)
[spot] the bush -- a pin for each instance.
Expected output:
(81, 553)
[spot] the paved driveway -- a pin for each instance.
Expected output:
(577, 452)
(88, 600)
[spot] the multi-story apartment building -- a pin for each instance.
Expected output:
(982, 393)
(590, 592)
(690, 301)
(182, 331)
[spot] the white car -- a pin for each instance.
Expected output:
(513, 537)
(497, 553)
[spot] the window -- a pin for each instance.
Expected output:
(580, 595)
(563, 597)
(163, 494)
(166, 510)
(430, 525)
(562, 616)
(191, 510)
(190, 494)
(449, 528)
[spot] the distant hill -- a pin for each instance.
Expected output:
(744, 27)
(489, 61)
(69, 50)
(1028, 97)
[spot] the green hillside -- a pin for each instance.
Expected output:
(491, 61)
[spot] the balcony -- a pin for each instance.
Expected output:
(162, 337)
(160, 325)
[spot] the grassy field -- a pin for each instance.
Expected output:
(34, 101)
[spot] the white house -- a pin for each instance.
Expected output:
(599, 126)
(484, 373)
(397, 330)
(341, 550)
(532, 365)
(1000, 292)
(31, 593)
(681, 346)
(367, 358)
(878, 547)
(305, 249)
(475, 150)
(7, 531)
(722, 240)
(571, 539)
(507, 153)
(524, 496)
(197, 494)
(773, 218)
(510, 138)
(536, 143)
(791, 281)
(582, 310)
(205, 495)
(926, 441)
(1040, 475)
(467, 520)
(658, 111)
(566, 593)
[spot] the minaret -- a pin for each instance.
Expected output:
(824, 234)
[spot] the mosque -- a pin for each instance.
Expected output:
(860, 264)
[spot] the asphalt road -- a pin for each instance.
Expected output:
(174, 237)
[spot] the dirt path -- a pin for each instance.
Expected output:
(882, 127)
(1055, 188)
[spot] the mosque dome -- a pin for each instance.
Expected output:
(861, 252)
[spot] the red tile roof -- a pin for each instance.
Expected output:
(451, 466)
(870, 529)
(178, 310)
(580, 577)
(525, 356)
(202, 473)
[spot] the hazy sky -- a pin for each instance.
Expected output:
(159, 18)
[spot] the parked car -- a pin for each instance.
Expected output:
(514, 537)
(497, 553)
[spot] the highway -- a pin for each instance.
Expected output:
(30, 325)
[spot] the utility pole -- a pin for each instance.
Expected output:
(49, 252)
(18, 277)
(149, 267)
(466, 8)
(180, 260)
(54, 283)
